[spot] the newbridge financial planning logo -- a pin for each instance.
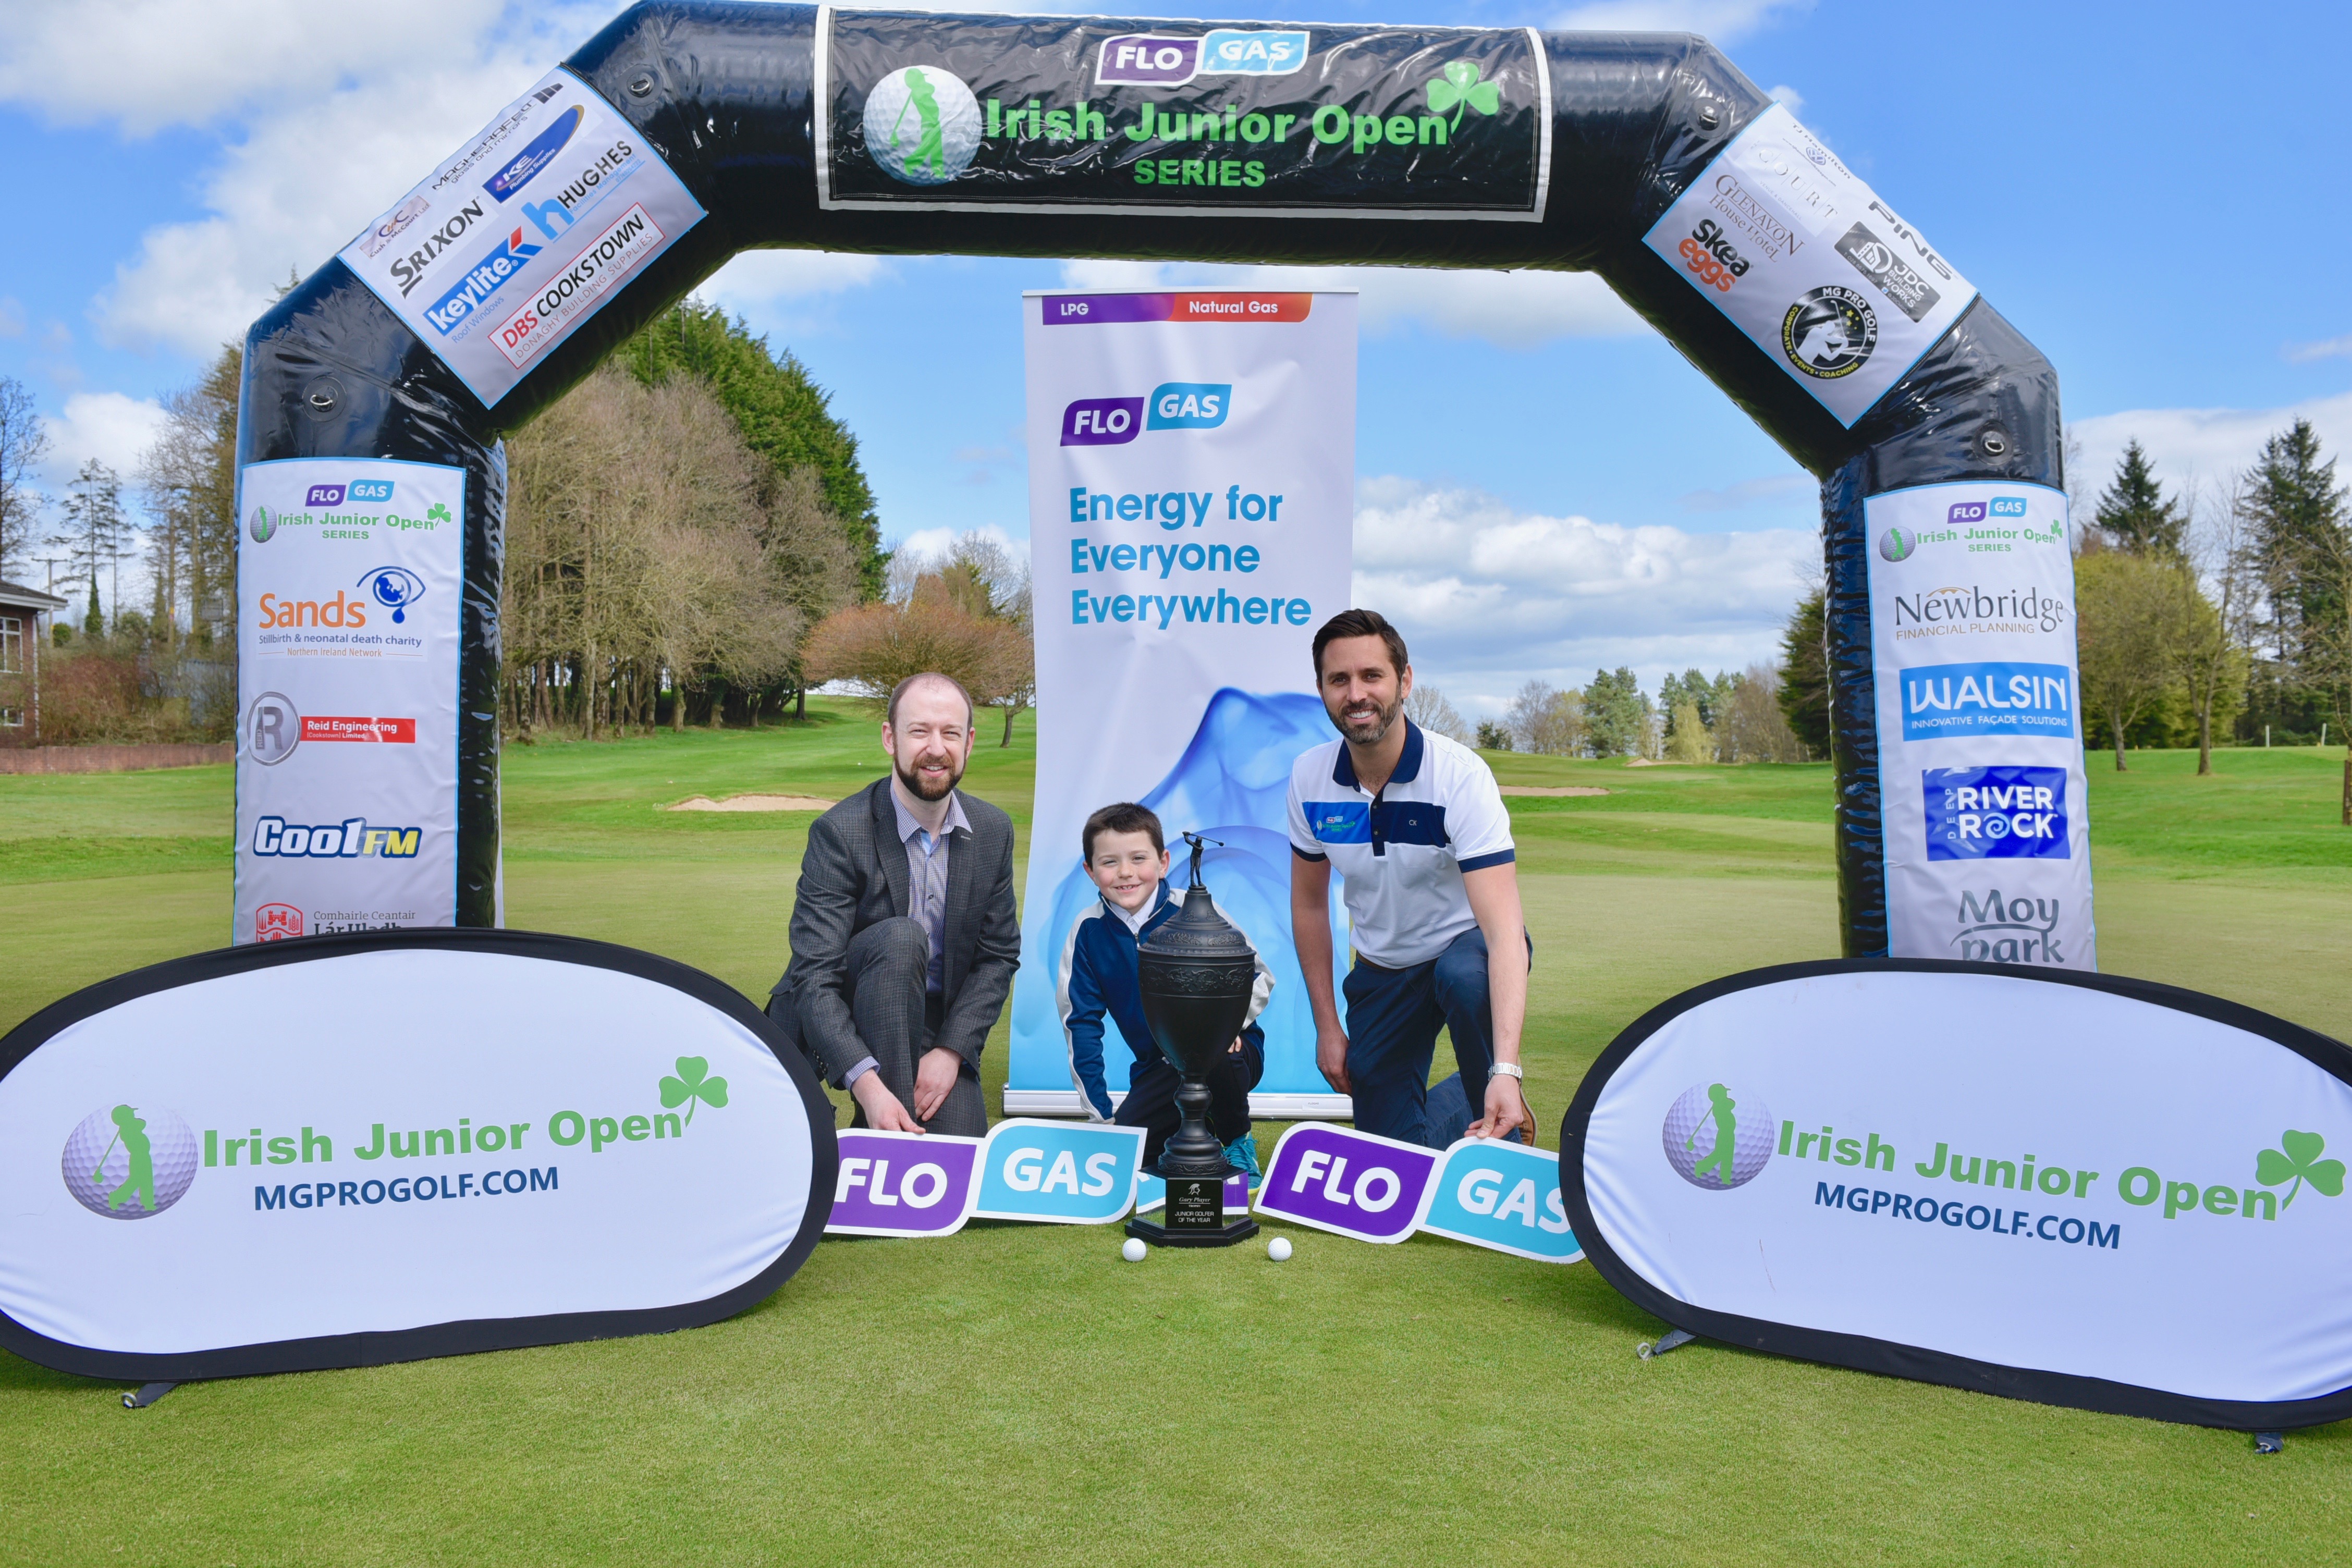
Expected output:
(1717, 1136)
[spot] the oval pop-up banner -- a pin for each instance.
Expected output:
(351, 1150)
(2084, 1191)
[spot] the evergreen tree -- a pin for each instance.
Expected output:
(1616, 714)
(2296, 512)
(1804, 693)
(2134, 513)
(783, 414)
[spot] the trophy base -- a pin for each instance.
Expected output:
(1152, 1232)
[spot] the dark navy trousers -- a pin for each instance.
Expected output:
(1393, 1017)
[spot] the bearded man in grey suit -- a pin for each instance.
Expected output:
(904, 935)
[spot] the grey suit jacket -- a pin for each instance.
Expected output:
(854, 875)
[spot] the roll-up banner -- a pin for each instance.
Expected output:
(1987, 837)
(920, 111)
(348, 575)
(1805, 259)
(248, 1162)
(2064, 1187)
(1191, 473)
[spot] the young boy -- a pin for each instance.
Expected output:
(1127, 857)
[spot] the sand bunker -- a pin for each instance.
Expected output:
(753, 803)
(1550, 789)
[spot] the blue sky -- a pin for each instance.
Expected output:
(2139, 188)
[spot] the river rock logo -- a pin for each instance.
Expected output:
(261, 525)
(1829, 333)
(922, 125)
(1898, 543)
(1717, 1136)
(130, 1161)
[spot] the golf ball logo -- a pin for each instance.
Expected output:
(130, 1161)
(922, 125)
(1717, 1136)
(261, 525)
(1898, 543)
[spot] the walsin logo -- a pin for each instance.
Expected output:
(481, 280)
(1943, 700)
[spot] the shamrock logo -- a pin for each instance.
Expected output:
(437, 512)
(1460, 88)
(2299, 1163)
(694, 1083)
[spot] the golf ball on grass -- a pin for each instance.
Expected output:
(1134, 1249)
(1278, 1248)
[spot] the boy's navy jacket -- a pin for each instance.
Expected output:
(1099, 976)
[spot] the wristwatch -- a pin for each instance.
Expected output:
(1509, 1069)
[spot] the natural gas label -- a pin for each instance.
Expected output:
(1039, 113)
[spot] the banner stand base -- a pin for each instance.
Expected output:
(1673, 1339)
(147, 1395)
(2270, 1442)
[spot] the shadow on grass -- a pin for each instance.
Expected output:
(18, 1375)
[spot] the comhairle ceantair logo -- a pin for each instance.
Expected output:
(1718, 1136)
(130, 1161)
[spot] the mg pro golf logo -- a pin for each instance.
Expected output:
(1172, 406)
(130, 1161)
(1717, 1136)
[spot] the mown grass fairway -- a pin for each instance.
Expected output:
(1017, 1394)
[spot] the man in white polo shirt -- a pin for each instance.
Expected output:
(1420, 836)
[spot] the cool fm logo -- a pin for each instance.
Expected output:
(1172, 406)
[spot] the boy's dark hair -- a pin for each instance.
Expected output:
(1125, 816)
(1360, 624)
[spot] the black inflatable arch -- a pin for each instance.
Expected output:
(725, 94)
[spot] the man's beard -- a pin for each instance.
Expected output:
(908, 776)
(1368, 732)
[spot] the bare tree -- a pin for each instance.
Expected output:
(23, 444)
(874, 646)
(987, 583)
(2209, 655)
(1752, 728)
(2128, 613)
(1428, 707)
(1547, 721)
(188, 479)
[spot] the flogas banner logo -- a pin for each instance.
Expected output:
(1941, 701)
(1504, 1196)
(1996, 813)
(1150, 60)
(1718, 1138)
(130, 1161)
(1351, 1184)
(485, 277)
(1060, 1172)
(1172, 406)
(526, 165)
(360, 492)
(902, 1183)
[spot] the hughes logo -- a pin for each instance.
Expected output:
(130, 1161)
(1942, 700)
(409, 271)
(350, 839)
(1172, 406)
(484, 279)
(1996, 814)
(1717, 1136)
(526, 165)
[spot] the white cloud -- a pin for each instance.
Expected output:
(1722, 21)
(757, 278)
(1749, 493)
(2329, 348)
(106, 426)
(1489, 596)
(1790, 99)
(1509, 309)
(2202, 443)
(146, 64)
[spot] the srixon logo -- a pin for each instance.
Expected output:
(2013, 931)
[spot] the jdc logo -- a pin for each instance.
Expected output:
(1172, 406)
(1717, 1136)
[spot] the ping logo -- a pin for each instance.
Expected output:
(484, 279)
(1172, 406)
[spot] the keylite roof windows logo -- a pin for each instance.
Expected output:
(502, 262)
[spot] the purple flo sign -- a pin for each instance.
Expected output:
(903, 1183)
(1351, 1183)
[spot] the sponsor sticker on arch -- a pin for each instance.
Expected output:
(348, 585)
(524, 233)
(2032, 1182)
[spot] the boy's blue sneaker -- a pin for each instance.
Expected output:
(1242, 1152)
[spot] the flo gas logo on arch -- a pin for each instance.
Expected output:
(1172, 406)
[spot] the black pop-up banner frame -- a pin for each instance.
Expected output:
(728, 96)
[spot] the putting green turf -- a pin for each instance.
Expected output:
(1018, 1394)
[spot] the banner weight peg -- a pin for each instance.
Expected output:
(2270, 1442)
(1673, 1339)
(147, 1395)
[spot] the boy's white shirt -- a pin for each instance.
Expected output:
(1261, 985)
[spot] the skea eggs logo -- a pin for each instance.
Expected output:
(130, 1161)
(1996, 813)
(1710, 257)
(1172, 406)
(483, 280)
(1717, 1136)
(353, 840)
(1829, 333)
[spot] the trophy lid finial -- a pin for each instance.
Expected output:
(1200, 845)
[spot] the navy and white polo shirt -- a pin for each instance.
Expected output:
(1403, 851)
